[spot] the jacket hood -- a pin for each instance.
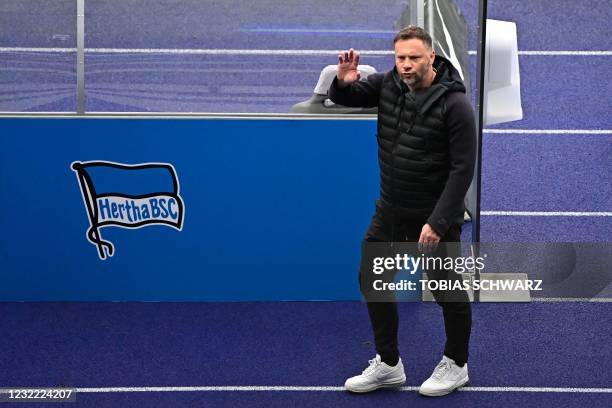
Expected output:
(448, 75)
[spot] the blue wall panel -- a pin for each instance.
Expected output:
(274, 209)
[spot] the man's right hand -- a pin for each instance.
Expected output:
(347, 72)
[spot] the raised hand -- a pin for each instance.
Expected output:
(347, 71)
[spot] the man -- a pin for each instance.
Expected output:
(426, 149)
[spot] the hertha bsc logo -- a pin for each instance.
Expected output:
(128, 196)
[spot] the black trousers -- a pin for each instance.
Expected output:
(384, 315)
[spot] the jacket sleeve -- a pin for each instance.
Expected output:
(363, 93)
(459, 120)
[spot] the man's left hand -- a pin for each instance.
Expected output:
(428, 241)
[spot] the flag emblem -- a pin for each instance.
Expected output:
(128, 196)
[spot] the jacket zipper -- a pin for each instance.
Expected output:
(397, 135)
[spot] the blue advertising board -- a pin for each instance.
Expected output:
(184, 209)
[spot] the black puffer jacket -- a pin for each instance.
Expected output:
(426, 143)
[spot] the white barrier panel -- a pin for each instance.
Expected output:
(502, 100)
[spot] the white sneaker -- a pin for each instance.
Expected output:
(446, 377)
(377, 375)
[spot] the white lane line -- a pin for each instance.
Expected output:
(316, 30)
(220, 51)
(553, 300)
(547, 213)
(550, 131)
(248, 388)
(558, 53)
(562, 53)
(263, 388)
(537, 389)
(190, 51)
(326, 389)
(28, 49)
(336, 389)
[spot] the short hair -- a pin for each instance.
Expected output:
(412, 31)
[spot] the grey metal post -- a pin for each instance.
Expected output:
(480, 72)
(80, 32)
(417, 12)
(430, 21)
